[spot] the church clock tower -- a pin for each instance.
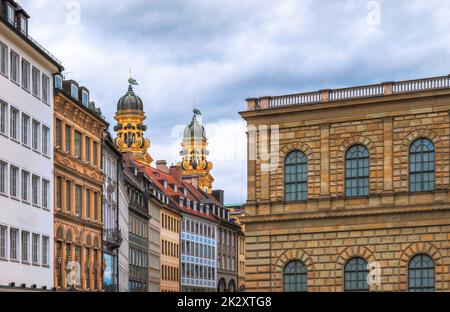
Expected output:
(130, 126)
(196, 167)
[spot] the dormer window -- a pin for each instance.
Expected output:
(181, 201)
(74, 91)
(85, 98)
(10, 13)
(23, 25)
(58, 82)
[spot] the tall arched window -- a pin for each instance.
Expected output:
(357, 171)
(295, 277)
(421, 274)
(421, 166)
(296, 177)
(355, 275)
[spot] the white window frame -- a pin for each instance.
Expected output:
(14, 69)
(14, 124)
(58, 82)
(45, 194)
(25, 186)
(4, 118)
(35, 189)
(74, 91)
(3, 177)
(45, 140)
(85, 95)
(35, 248)
(4, 51)
(10, 14)
(13, 168)
(45, 250)
(36, 81)
(26, 129)
(26, 75)
(25, 248)
(16, 247)
(35, 135)
(3, 242)
(45, 89)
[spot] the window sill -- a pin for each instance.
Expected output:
(26, 146)
(26, 203)
(36, 206)
(37, 96)
(15, 198)
(14, 261)
(4, 135)
(36, 151)
(4, 195)
(26, 262)
(15, 140)
(4, 75)
(26, 90)
(36, 265)
(15, 82)
(4, 259)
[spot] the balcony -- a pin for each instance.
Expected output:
(112, 238)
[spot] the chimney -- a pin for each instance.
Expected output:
(161, 165)
(219, 195)
(177, 173)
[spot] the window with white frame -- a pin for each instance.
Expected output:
(3, 240)
(10, 15)
(35, 181)
(36, 82)
(3, 59)
(45, 250)
(36, 129)
(3, 175)
(3, 117)
(13, 180)
(25, 129)
(45, 194)
(26, 72)
(15, 67)
(45, 140)
(35, 249)
(85, 98)
(25, 246)
(45, 88)
(74, 91)
(14, 124)
(14, 244)
(25, 185)
(58, 82)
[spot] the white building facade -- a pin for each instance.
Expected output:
(26, 154)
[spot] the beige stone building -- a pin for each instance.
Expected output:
(353, 194)
(79, 178)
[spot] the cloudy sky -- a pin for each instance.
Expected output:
(213, 54)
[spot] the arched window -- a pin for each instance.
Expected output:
(421, 166)
(296, 177)
(355, 275)
(232, 286)
(421, 274)
(357, 171)
(295, 277)
(222, 285)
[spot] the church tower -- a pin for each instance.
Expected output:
(130, 126)
(196, 167)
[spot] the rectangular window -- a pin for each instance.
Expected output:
(13, 181)
(15, 67)
(3, 240)
(88, 204)
(36, 135)
(3, 117)
(25, 246)
(45, 194)
(35, 180)
(58, 134)
(14, 244)
(25, 185)
(58, 192)
(25, 130)
(78, 200)
(77, 140)
(95, 151)
(58, 82)
(87, 149)
(36, 82)
(68, 196)
(14, 124)
(23, 25)
(26, 72)
(68, 139)
(10, 14)
(74, 91)
(3, 175)
(45, 88)
(85, 98)
(35, 249)
(45, 141)
(45, 250)
(3, 59)
(95, 206)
